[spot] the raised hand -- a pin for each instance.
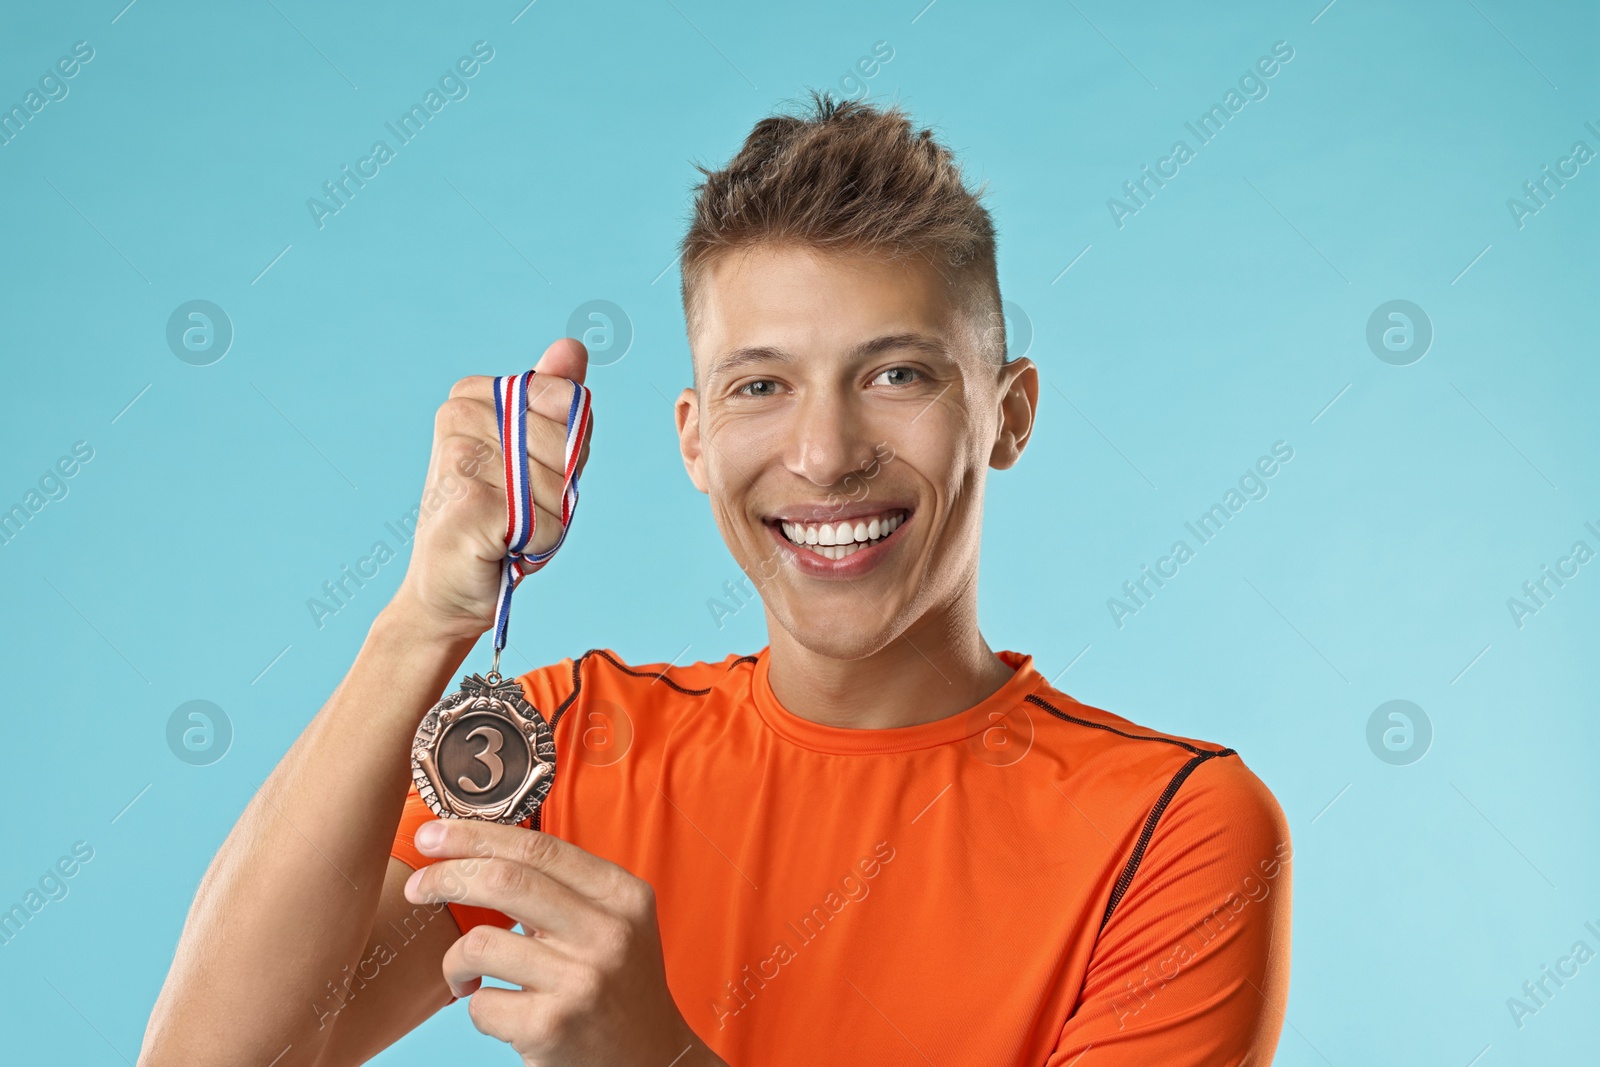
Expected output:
(454, 574)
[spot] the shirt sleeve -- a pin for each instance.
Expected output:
(404, 849)
(1192, 967)
(545, 688)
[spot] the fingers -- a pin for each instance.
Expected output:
(530, 896)
(503, 1015)
(474, 387)
(550, 397)
(490, 952)
(550, 392)
(582, 872)
(466, 426)
(565, 358)
(470, 412)
(483, 471)
(474, 420)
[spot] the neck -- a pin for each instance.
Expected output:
(939, 667)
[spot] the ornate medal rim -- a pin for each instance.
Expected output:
(492, 696)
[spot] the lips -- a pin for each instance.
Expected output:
(843, 537)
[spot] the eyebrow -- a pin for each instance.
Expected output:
(754, 354)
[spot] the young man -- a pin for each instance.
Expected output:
(875, 841)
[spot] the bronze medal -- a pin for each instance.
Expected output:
(484, 752)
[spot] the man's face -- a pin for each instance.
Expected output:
(846, 412)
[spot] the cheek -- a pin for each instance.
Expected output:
(943, 457)
(729, 484)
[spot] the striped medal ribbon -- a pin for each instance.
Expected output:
(511, 416)
(485, 752)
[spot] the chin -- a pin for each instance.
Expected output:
(830, 642)
(842, 632)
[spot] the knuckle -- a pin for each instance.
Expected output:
(479, 453)
(537, 849)
(638, 897)
(468, 386)
(478, 1011)
(477, 945)
(504, 877)
(455, 411)
(460, 454)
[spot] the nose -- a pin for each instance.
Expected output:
(829, 440)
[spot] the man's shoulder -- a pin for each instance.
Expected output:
(1103, 734)
(1103, 749)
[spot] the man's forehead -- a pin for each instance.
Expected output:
(775, 304)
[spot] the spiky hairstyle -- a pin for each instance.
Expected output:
(845, 176)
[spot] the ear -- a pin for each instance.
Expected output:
(1019, 400)
(687, 412)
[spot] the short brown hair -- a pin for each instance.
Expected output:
(846, 176)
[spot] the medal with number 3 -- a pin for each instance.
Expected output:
(484, 752)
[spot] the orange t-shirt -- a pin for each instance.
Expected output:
(1015, 884)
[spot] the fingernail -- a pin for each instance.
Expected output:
(411, 886)
(429, 835)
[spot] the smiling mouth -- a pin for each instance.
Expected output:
(836, 540)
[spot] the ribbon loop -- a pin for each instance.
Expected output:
(511, 416)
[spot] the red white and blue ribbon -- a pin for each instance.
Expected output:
(511, 413)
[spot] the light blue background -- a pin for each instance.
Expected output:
(1226, 315)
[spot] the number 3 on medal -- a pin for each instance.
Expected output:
(492, 740)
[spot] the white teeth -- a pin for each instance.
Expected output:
(837, 540)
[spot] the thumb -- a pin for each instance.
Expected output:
(566, 358)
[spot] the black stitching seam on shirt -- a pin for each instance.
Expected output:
(1200, 756)
(577, 684)
(1149, 830)
(1058, 713)
(577, 681)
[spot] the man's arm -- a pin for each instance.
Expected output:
(1192, 968)
(397, 983)
(289, 904)
(292, 899)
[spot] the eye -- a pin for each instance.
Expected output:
(759, 387)
(897, 376)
